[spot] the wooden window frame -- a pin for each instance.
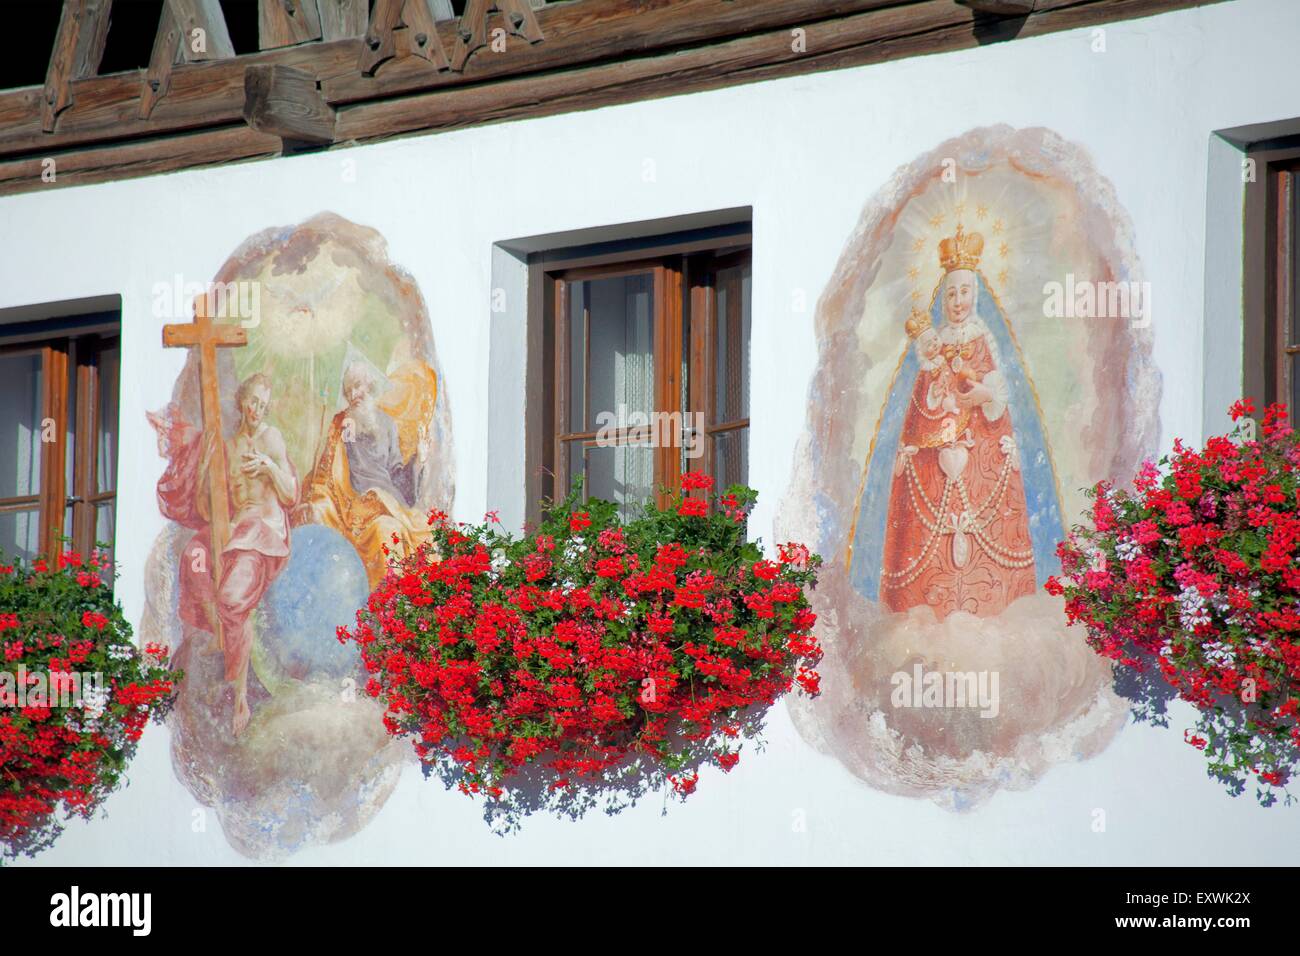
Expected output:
(1270, 284)
(62, 358)
(702, 378)
(666, 276)
(681, 271)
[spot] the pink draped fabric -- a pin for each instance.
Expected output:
(255, 556)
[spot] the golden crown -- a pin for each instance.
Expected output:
(916, 323)
(961, 251)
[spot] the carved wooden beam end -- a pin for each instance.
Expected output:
(472, 33)
(287, 103)
(1015, 8)
(402, 28)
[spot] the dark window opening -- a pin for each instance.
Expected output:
(1271, 363)
(59, 387)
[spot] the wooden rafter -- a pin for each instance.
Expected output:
(203, 30)
(283, 23)
(78, 50)
(472, 34)
(166, 53)
(189, 31)
(342, 19)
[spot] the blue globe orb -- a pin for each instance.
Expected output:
(321, 588)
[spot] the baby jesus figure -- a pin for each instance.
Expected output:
(941, 392)
(941, 384)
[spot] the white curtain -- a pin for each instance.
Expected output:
(20, 450)
(622, 381)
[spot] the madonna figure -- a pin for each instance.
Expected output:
(957, 517)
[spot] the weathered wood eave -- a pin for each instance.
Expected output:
(577, 34)
(595, 53)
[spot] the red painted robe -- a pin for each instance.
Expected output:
(957, 529)
(257, 552)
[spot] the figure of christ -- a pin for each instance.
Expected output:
(261, 486)
(957, 527)
(361, 486)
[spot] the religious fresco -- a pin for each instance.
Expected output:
(308, 436)
(984, 354)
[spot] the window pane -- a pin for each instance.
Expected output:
(105, 523)
(623, 474)
(731, 458)
(578, 292)
(620, 320)
(731, 348)
(577, 469)
(1292, 181)
(1293, 388)
(20, 426)
(20, 534)
(70, 435)
(109, 369)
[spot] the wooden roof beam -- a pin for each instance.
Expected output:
(631, 37)
(287, 103)
(189, 31)
(282, 23)
(342, 19)
(203, 30)
(78, 50)
(1013, 8)
(120, 106)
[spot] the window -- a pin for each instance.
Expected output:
(642, 369)
(1272, 272)
(1286, 255)
(58, 434)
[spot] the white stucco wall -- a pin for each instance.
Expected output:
(805, 154)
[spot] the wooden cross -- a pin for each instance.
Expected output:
(207, 337)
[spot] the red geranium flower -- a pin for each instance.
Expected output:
(693, 507)
(1192, 580)
(696, 481)
(632, 657)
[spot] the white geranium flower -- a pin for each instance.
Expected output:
(1219, 654)
(1192, 611)
(94, 701)
(1128, 550)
